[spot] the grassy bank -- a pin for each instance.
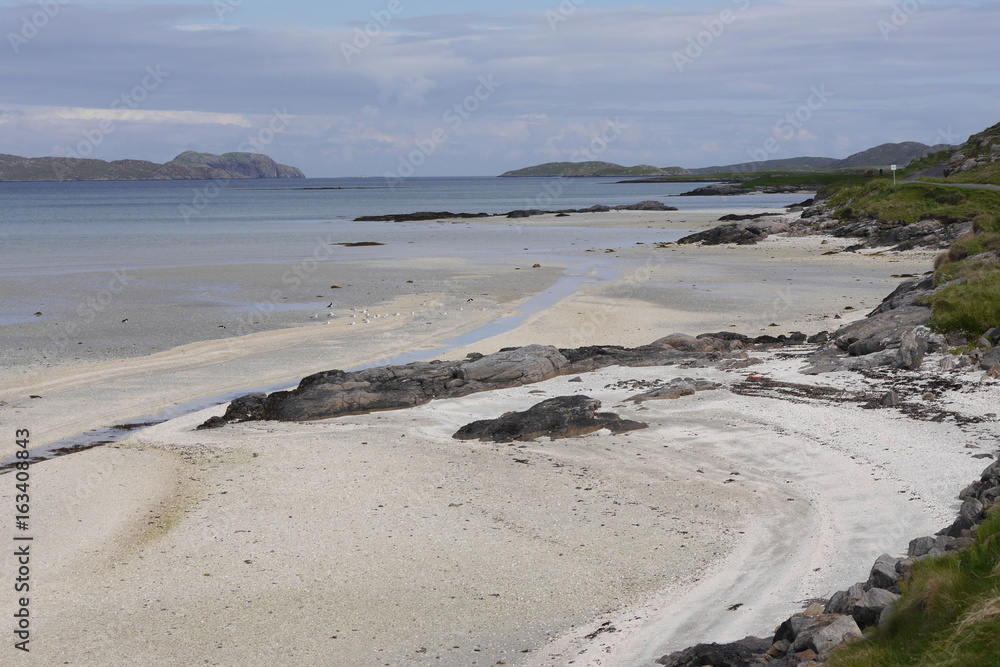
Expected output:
(948, 616)
(910, 203)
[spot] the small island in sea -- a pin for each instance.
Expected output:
(189, 165)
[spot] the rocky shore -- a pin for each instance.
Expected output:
(425, 216)
(807, 639)
(816, 218)
(894, 336)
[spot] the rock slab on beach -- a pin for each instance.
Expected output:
(338, 393)
(555, 418)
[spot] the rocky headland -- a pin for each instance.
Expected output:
(189, 165)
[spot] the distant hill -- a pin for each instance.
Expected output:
(888, 154)
(593, 169)
(787, 164)
(186, 166)
(881, 156)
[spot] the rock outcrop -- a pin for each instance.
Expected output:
(560, 417)
(740, 232)
(894, 334)
(338, 393)
(422, 216)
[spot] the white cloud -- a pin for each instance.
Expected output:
(64, 114)
(558, 86)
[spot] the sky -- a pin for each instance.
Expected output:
(446, 88)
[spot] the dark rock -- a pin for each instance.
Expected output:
(246, 408)
(744, 232)
(338, 393)
(890, 400)
(861, 348)
(736, 217)
(883, 573)
(920, 546)
(669, 392)
(560, 417)
(912, 348)
(684, 343)
(736, 654)
(715, 191)
(728, 336)
(990, 359)
(646, 206)
(826, 633)
(420, 216)
(843, 601)
(867, 610)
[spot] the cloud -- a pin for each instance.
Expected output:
(69, 114)
(559, 86)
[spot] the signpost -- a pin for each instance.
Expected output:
(893, 167)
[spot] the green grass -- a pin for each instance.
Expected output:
(806, 180)
(911, 202)
(988, 175)
(949, 615)
(969, 308)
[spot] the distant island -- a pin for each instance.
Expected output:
(874, 158)
(189, 165)
(592, 170)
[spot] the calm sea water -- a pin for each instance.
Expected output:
(53, 228)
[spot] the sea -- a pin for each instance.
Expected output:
(52, 228)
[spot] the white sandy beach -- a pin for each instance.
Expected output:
(379, 540)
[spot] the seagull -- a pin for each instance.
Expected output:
(330, 305)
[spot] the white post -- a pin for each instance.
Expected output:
(893, 167)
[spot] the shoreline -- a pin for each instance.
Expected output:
(597, 313)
